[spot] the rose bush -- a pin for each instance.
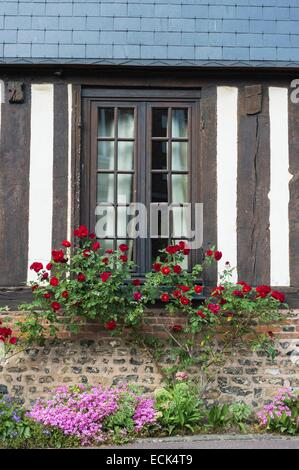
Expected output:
(87, 282)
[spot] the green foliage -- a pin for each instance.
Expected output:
(217, 417)
(240, 415)
(179, 407)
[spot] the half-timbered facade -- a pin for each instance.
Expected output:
(174, 102)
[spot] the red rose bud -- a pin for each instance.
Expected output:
(182, 245)
(136, 282)
(172, 249)
(110, 325)
(86, 253)
(209, 253)
(81, 277)
(109, 251)
(238, 293)
(278, 296)
(45, 276)
(198, 289)
(13, 340)
(105, 276)
(177, 269)
(177, 294)
(47, 295)
(123, 247)
(164, 297)
(34, 287)
(105, 260)
(92, 236)
(65, 294)
(55, 306)
(184, 300)
(123, 258)
(214, 308)
(54, 281)
(177, 328)
(157, 267)
(263, 291)
(81, 232)
(184, 288)
(58, 256)
(217, 255)
(49, 266)
(200, 314)
(137, 296)
(165, 270)
(246, 289)
(66, 244)
(186, 251)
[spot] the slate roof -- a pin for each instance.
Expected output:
(160, 32)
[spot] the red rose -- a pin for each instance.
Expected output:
(58, 256)
(182, 245)
(263, 291)
(5, 332)
(123, 247)
(165, 270)
(271, 334)
(49, 266)
(109, 251)
(217, 255)
(55, 306)
(123, 258)
(110, 325)
(200, 314)
(186, 251)
(172, 249)
(184, 300)
(164, 297)
(92, 236)
(184, 288)
(86, 253)
(157, 267)
(136, 282)
(36, 267)
(198, 289)
(47, 295)
(45, 276)
(105, 260)
(13, 340)
(176, 293)
(177, 269)
(105, 276)
(238, 293)
(217, 291)
(222, 301)
(246, 289)
(81, 277)
(66, 243)
(209, 253)
(137, 296)
(278, 296)
(81, 232)
(214, 308)
(54, 281)
(34, 287)
(65, 294)
(96, 246)
(177, 328)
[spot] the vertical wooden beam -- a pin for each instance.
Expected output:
(294, 191)
(208, 173)
(14, 190)
(253, 189)
(60, 164)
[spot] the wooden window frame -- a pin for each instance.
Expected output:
(143, 100)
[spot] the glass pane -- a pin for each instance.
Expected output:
(125, 155)
(105, 155)
(158, 244)
(126, 123)
(125, 189)
(181, 221)
(130, 243)
(159, 155)
(179, 156)
(179, 123)
(105, 226)
(106, 244)
(180, 188)
(105, 187)
(159, 188)
(106, 122)
(159, 122)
